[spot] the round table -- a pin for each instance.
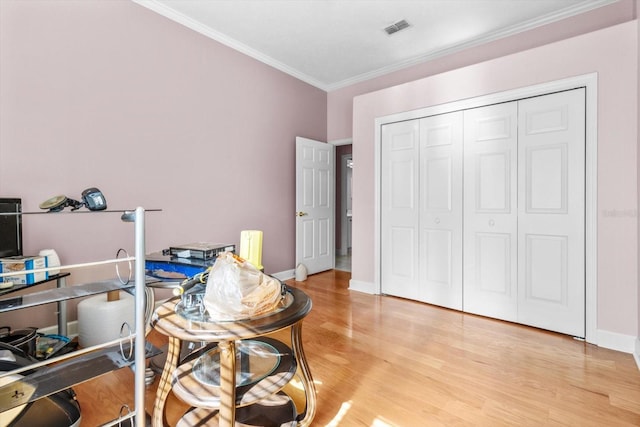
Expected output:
(221, 398)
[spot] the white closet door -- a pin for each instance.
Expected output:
(551, 169)
(400, 209)
(490, 212)
(441, 210)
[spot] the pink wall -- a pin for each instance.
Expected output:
(112, 95)
(612, 53)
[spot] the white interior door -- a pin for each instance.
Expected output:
(551, 219)
(490, 211)
(315, 199)
(400, 209)
(440, 249)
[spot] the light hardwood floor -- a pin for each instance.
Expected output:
(382, 361)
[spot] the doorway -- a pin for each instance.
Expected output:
(344, 193)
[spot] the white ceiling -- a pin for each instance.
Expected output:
(334, 43)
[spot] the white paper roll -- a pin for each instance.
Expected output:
(100, 320)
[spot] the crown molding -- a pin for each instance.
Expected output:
(180, 18)
(198, 27)
(488, 38)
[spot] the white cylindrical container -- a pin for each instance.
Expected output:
(52, 260)
(301, 273)
(100, 320)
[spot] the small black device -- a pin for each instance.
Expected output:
(94, 199)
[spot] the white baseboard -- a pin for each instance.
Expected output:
(284, 275)
(636, 354)
(72, 329)
(616, 341)
(360, 286)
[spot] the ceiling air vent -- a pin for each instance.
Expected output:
(397, 26)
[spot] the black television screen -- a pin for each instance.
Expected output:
(10, 227)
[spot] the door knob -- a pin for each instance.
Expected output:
(301, 213)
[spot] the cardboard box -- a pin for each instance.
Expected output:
(24, 263)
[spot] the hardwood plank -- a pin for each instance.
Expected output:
(384, 361)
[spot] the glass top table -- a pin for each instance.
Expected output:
(224, 390)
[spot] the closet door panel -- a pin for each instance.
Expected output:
(493, 260)
(545, 276)
(546, 177)
(551, 214)
(441, 210)
(493, 181)
(400, 209)
(437, 257)
(490, 213)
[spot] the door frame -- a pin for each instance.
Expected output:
(590, 83)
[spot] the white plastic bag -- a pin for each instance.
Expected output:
(237, 290)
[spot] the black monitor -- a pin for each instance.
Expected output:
(10, 227)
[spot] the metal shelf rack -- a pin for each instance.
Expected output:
(101, 358)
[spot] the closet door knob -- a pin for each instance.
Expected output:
(491, 223)
(437, 220)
